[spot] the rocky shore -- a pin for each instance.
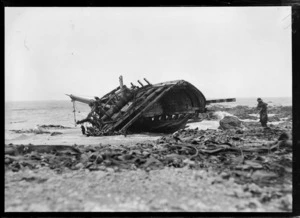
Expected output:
(239, 168)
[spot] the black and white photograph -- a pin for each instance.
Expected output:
(148, 109)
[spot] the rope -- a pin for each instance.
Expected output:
(74, 111)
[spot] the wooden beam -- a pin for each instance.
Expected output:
(221, 100)
(137, 107)
(143, 110)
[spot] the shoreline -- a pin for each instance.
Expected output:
(210, 120)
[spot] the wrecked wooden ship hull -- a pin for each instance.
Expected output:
(161, 108)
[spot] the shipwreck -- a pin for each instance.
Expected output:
(161, 108)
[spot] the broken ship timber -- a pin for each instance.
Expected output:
(161, 108)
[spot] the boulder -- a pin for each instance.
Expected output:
(230, 122)
(247, 116)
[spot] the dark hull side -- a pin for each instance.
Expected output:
(158, 126)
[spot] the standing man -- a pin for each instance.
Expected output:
(263, 113)
(82, 130)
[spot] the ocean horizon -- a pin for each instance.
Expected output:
(208, 98)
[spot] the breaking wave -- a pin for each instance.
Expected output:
(221, 114)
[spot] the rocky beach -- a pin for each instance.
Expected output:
(210, 166)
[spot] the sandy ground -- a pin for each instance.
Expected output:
(169, 189)
(74, 136)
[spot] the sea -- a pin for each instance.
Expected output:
(28, 114)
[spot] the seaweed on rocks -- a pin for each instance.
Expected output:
(246, 112)
(42, 129)
(252, 150)
(51, 126)
(35, 131)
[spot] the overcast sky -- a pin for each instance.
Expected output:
(224, 52)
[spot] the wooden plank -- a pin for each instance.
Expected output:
(168, 83)
(137, 107)
(146, 108)
(131, 107)
(144, 92)
(80, 99)
(109, 122)
(221, 100)
(149, 114)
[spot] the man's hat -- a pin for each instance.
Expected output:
(259, 99)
